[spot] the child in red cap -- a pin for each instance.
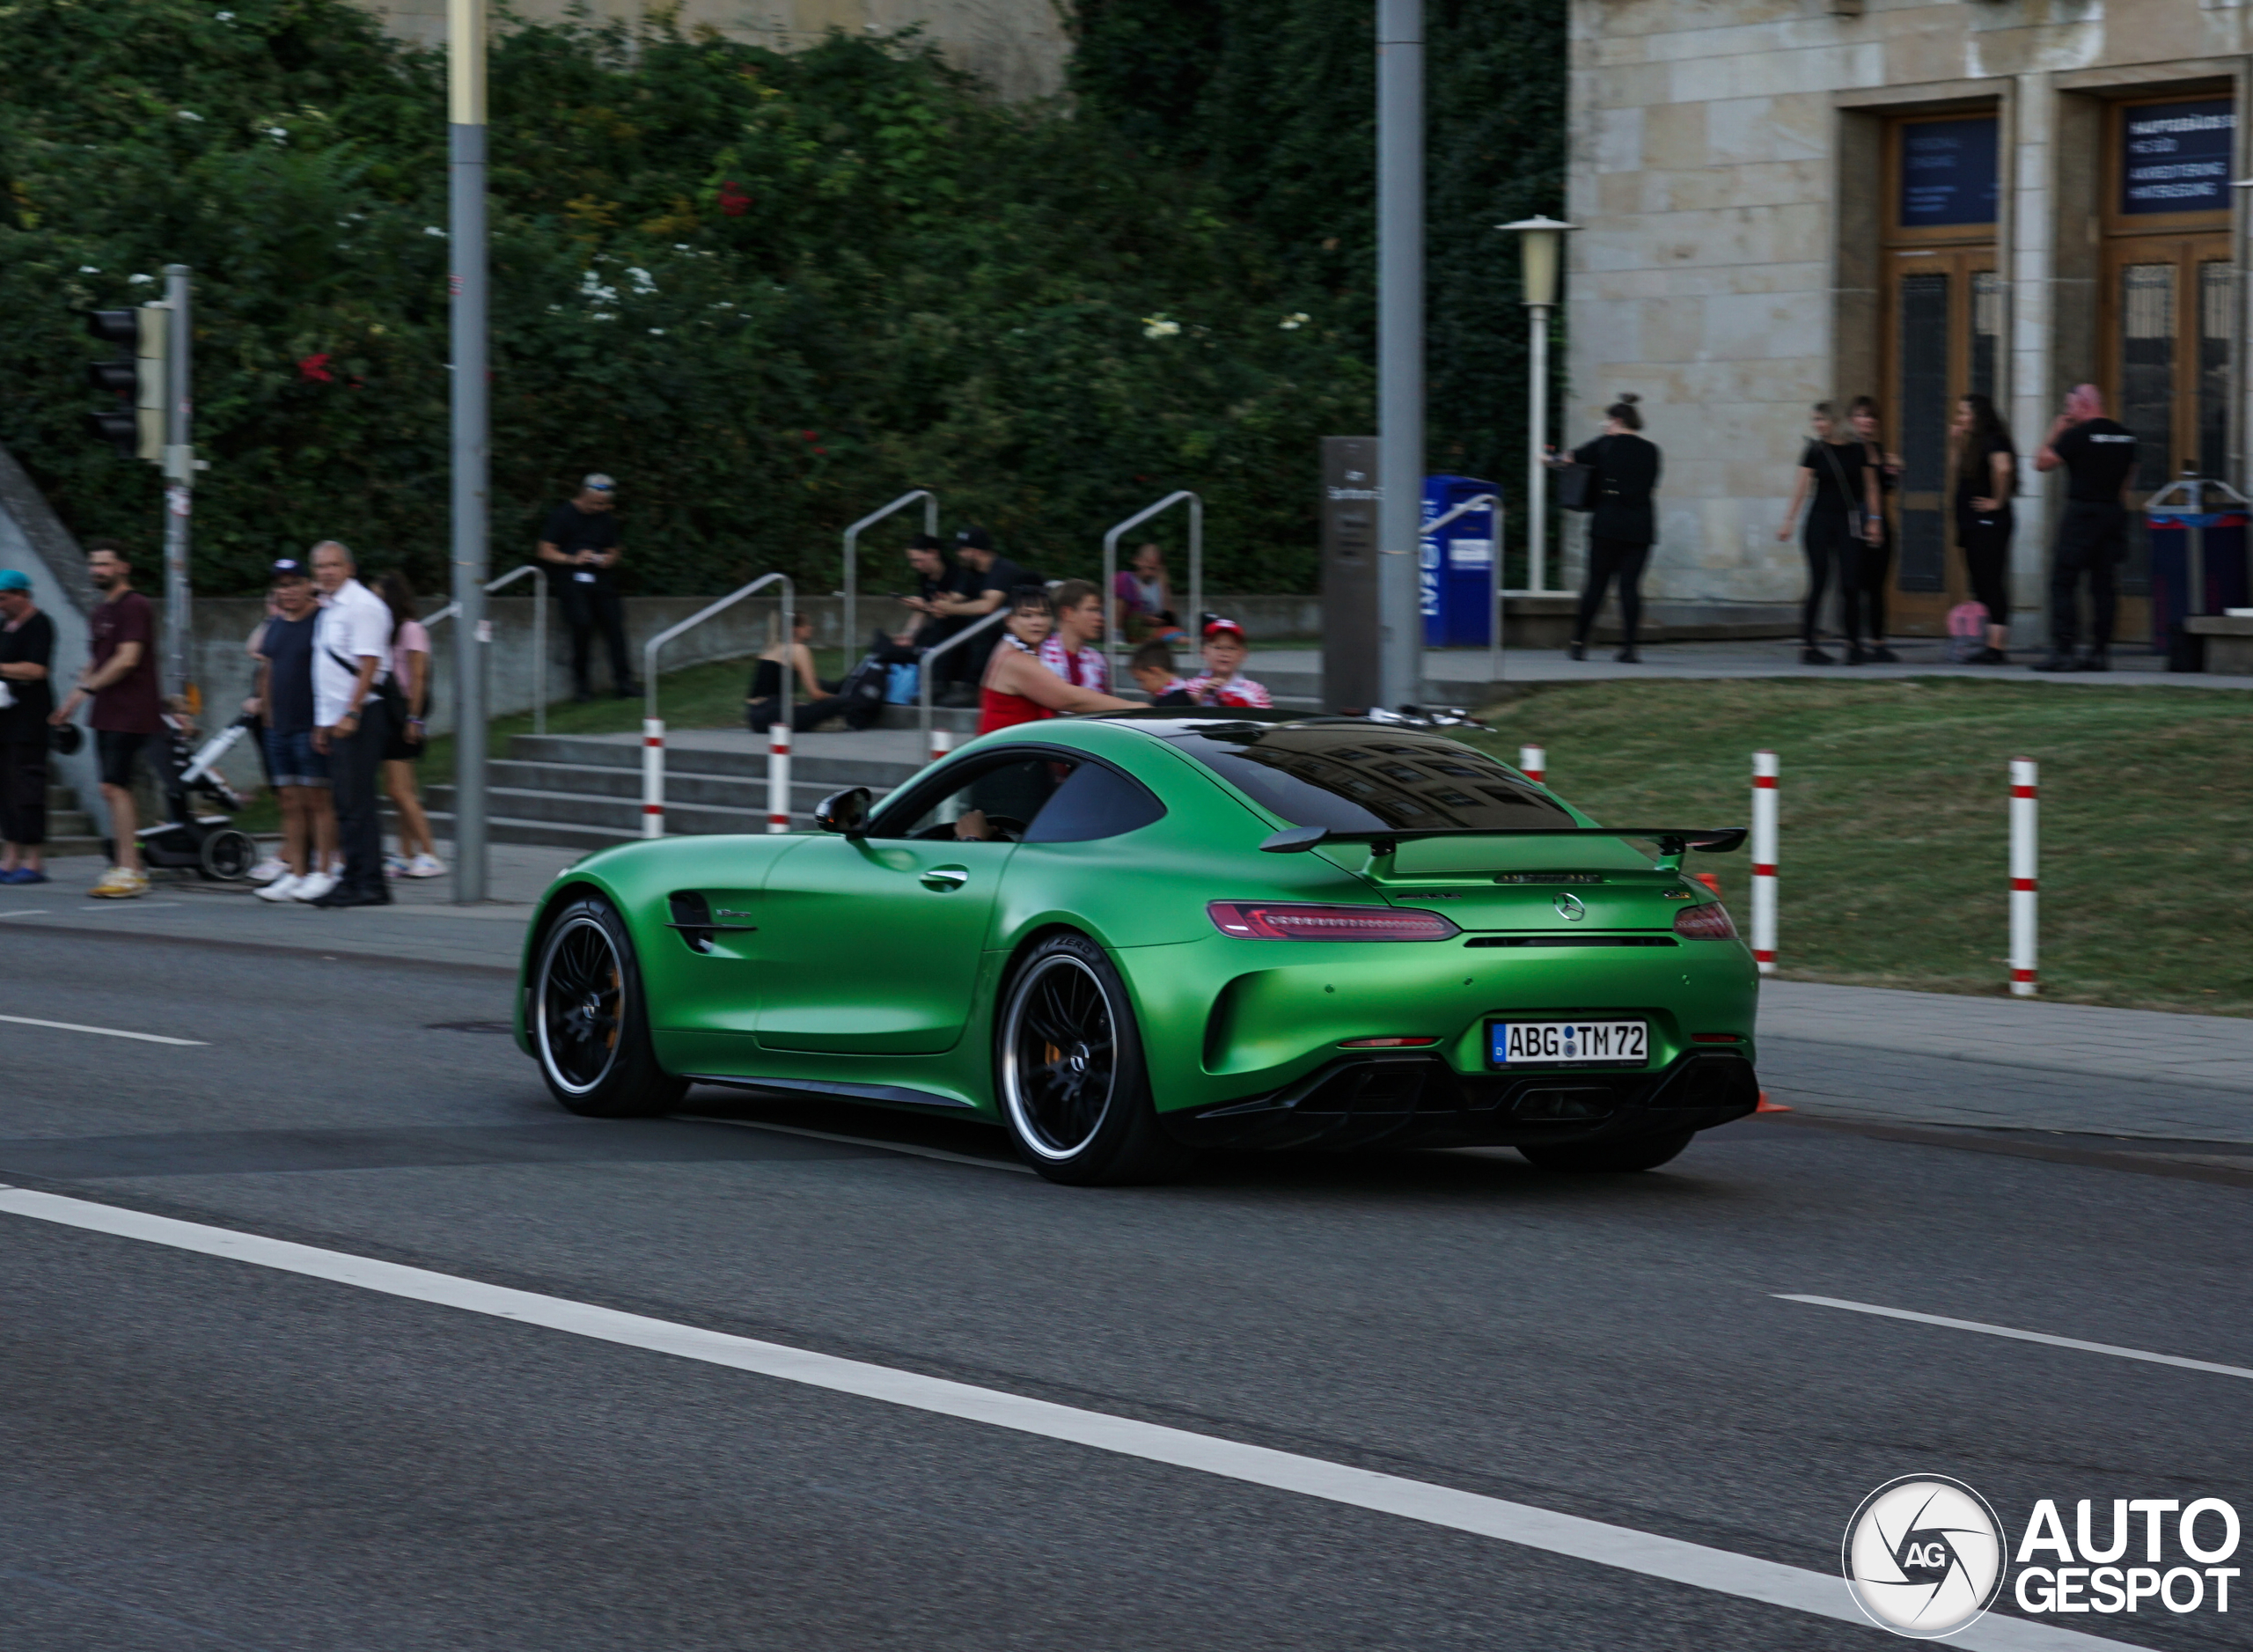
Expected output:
(1219, 685)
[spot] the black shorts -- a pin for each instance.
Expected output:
(117, 751)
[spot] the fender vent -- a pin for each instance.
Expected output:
(692, 917)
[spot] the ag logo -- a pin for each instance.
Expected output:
(1570, 909)
(1924, 1556)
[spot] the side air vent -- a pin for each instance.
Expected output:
(691, 919)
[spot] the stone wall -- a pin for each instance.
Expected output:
(1724, 171)
(1016, 47)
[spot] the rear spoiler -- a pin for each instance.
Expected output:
(1672, 841)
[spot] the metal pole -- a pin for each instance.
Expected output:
(466, 243)
(538, 652)
(1196, 570)
(1763, 861)
(1399, 346)
(1536, 469)
(852, 555)
(2025, 870)
(1494, 596)
(179, 475)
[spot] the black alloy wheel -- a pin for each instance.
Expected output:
(1068, 1061)
(588, 1024)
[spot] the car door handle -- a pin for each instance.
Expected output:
(943, 878)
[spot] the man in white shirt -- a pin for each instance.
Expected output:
(351, 651)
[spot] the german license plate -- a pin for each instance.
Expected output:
(1560, 1043)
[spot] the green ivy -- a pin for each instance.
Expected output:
(767, 292)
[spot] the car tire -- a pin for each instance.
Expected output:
(587, 1017)
(1068, 1072)
(1642, 1153)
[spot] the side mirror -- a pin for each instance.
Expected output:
(844, 812)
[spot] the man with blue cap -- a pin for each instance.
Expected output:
(27, 651)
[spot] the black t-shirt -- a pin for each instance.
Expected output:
(1838, 485)
(1004, 577)
(287, 646)
(1978, 482)
(570, 531)
(2098, 455)
(30, 643)
(959, 582)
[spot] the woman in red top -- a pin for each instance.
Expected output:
(1017, 687)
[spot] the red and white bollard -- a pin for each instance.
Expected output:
(1763, 861)
(942, 743)
(653, 777)
(778, 777)
(2024, 849)
(1533, 763)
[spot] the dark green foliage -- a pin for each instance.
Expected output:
(767, 292)
(1273, 102)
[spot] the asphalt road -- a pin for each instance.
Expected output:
(198, 1452)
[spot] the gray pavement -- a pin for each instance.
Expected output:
(202, 1453)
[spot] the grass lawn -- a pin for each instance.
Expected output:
(1893, 810)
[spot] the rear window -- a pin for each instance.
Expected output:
(1356, 778)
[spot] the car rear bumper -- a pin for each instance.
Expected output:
(1402, 1101)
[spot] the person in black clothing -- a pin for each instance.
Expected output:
(1622, 525)
(988, 578)
(26, 655)
(580, 545)
(811, 704)
(1841, 492)
(2099, 457)
(1986, 476)
(1877, 561)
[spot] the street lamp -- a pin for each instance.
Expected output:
(1540, 242)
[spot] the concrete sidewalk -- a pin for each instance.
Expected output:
(1848, 1051)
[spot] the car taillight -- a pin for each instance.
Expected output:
(1708, 922)
(1386, 1044)
(1268, 921)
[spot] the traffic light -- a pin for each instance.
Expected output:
(136, 426)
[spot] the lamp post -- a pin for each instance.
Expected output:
(1399, 349)
(1540, 241)
(466, 247)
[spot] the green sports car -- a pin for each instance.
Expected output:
(1127, 938)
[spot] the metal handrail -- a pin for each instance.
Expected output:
(1111, 638)
(789, 616)
(1483, 502)
(852, 555)
(452, 610)
(923, 673)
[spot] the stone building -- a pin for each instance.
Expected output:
(1017, 47)
(1789, 201)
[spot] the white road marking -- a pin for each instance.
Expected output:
(863, 1141)
(111, 906)
(1743, 1575)
(107, 1032)
(2022, 1336)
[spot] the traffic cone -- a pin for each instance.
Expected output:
(1767, 1106)
(1709, 879)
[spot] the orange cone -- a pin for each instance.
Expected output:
(1767, 1106)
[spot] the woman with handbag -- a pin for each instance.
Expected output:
(1614, 477)
(1839, 490)
(1985, 467)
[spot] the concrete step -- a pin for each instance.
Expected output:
(543, 833)
(603, 781)
(744, 812)
(878, 770)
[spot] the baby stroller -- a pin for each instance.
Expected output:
(210, 845)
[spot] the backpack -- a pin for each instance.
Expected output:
(901, 686)
(862, 691)
(1967, 631)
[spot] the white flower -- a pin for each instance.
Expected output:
(432, 229)
(642, 280)
(1156, 327)
(136, 280)
(88, 269)
(1293, 323)
(602, 316)
(190, 114)
(279, 135)
(656, 332)
(224, 16)
(724, 305)
(680, 246)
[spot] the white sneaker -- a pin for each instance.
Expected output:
(313, 886)
(425, 866)
(268, 870)
(283, 888)
(395, 865)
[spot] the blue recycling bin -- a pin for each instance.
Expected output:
(2198, 565)
(1457, 565)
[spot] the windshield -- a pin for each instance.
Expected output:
(1354, 778)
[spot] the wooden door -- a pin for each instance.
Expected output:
(1943, 340)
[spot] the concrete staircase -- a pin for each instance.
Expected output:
(584, 791)
(70, 830)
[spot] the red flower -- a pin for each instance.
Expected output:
(809, 436)
(734, 200)
(823, 451)
(313, 370)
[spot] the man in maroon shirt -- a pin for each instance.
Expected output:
(121, 678)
